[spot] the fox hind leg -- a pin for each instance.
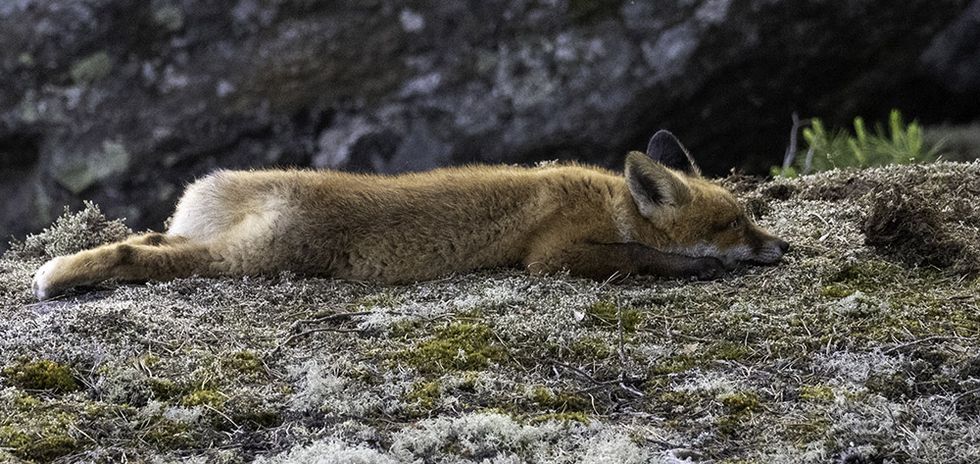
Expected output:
(144, 257)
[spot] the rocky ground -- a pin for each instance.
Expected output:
(861, 346)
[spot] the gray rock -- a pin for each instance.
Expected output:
(183, 87)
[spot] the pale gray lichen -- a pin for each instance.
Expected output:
(843, 351)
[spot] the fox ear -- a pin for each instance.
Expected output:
(653, 186)
(667, 150)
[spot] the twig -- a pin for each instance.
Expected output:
(330, 317)
(790, 155)
(313, 331)
(792, 149)
(808, 161)
(922, 340)
(208, 406)
(509, 355)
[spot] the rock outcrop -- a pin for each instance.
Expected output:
(124, 101)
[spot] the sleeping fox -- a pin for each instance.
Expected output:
(660, 218)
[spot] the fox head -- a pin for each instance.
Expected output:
(693, 216)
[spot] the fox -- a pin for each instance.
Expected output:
(659, 217)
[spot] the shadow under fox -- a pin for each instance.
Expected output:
(659, 218)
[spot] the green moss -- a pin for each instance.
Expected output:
(424, 395)
(163, 433)
(571, 416)
(165, 389)
(816, 393)
(40, 436)
(866, 276)
(812, 428)
(262, 417)
(739, 406)
(245, 362)
(459, 346)
(379, 300)
(41, 375)
(91, 68)
(250, 412)
(590, 349)
(741, 402)
(835, 291)
(721, 351)
(202, 397)
(560, 401)
(679, 401)
(607, 314)
(405, 328)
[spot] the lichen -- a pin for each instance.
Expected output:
(827, 355)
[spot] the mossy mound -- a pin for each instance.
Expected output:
(860, 347)
(911, 228)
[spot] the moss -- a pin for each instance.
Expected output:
(203, 397)
(459, 346)
(835, 291)
(404, 328)
(379, 300)
(816, 393)
(245, 362)
(702, 357)
(741, 402)
(590, 349)
(679, 401)
(812, 428)
(251, 412)
(866, 276)
(893, 386)
(560, 401)
(165, 389)
(607, 314)
(41, 375)
(739, 406)
(40, 436)
(163, 433)
(262, 417)
(91, 68)
(424, 395)
(170, 17)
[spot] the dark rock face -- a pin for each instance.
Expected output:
(125, 101)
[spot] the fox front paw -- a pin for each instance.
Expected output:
(708, 268)
(43, 285)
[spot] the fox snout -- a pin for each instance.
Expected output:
(771, 251)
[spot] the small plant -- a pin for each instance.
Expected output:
(899, 143)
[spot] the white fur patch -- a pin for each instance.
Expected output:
(729, 256)
(42, 278)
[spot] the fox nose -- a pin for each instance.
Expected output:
(783, 245)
